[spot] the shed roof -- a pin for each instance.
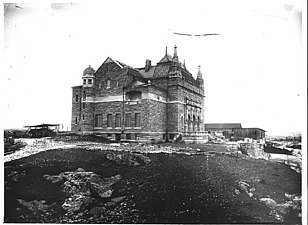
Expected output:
(208, 126)
(44, 125)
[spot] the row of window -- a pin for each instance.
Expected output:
(89, 81)
(117, 120)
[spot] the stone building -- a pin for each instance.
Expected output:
(156, 102)
(234, 131)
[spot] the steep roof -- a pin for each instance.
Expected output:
(208, 126)
(149, 73)
(166, 58)
(189, 78)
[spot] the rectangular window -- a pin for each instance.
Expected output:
(108, 84)
(84, 81)
(128, 136)
(83, 105)
(76, 98)
(99, 120)
(137, 119)
(118, 120)
(84, 95)
(76, 120)
(82, 116)
(128, 120)
(109, 120)
(89, 81)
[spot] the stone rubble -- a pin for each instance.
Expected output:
(35, 205)
(279, 210)
(81, 186)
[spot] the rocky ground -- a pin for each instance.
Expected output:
(94, 183)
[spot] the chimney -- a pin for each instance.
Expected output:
(147, 65)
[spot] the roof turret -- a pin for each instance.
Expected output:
(89, 71)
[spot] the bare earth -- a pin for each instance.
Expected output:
(169, 188)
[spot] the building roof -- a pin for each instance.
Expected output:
(166, 58)
(149, 73)
(89, 70)
(254, 128)
(208, 126)
(44, 125)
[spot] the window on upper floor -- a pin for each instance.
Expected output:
(109, 120)
(118, 120)
(128, 120)
(89, 81)
(84, 81)
(76, 120)
(108, 84)
(76, 98)
(83, 118)
(137, 119)
(83, 105)
(99, 120)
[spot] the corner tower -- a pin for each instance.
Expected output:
(88, 77)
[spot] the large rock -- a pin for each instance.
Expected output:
(76, 202)
(80, 186)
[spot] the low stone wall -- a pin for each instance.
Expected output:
(253, 149)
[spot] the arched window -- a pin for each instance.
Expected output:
(198, 123)
(108, 84)
(133, 95)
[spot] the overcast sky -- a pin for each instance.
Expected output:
(253, 70)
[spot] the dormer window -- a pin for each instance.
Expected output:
(84, 81)
(89, 81)
(108, 84)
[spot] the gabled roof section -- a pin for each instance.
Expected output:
(120, 64)
(135, 73)
(188, 77)
(161, 70)
(149, 73)
(222, 126)
(165, 59)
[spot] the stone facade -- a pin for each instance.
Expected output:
(161, 102)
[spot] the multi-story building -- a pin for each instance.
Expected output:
(155, 102)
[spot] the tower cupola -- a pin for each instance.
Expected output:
(88, 77)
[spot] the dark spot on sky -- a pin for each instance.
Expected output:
(57, 6)
(288, 7)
